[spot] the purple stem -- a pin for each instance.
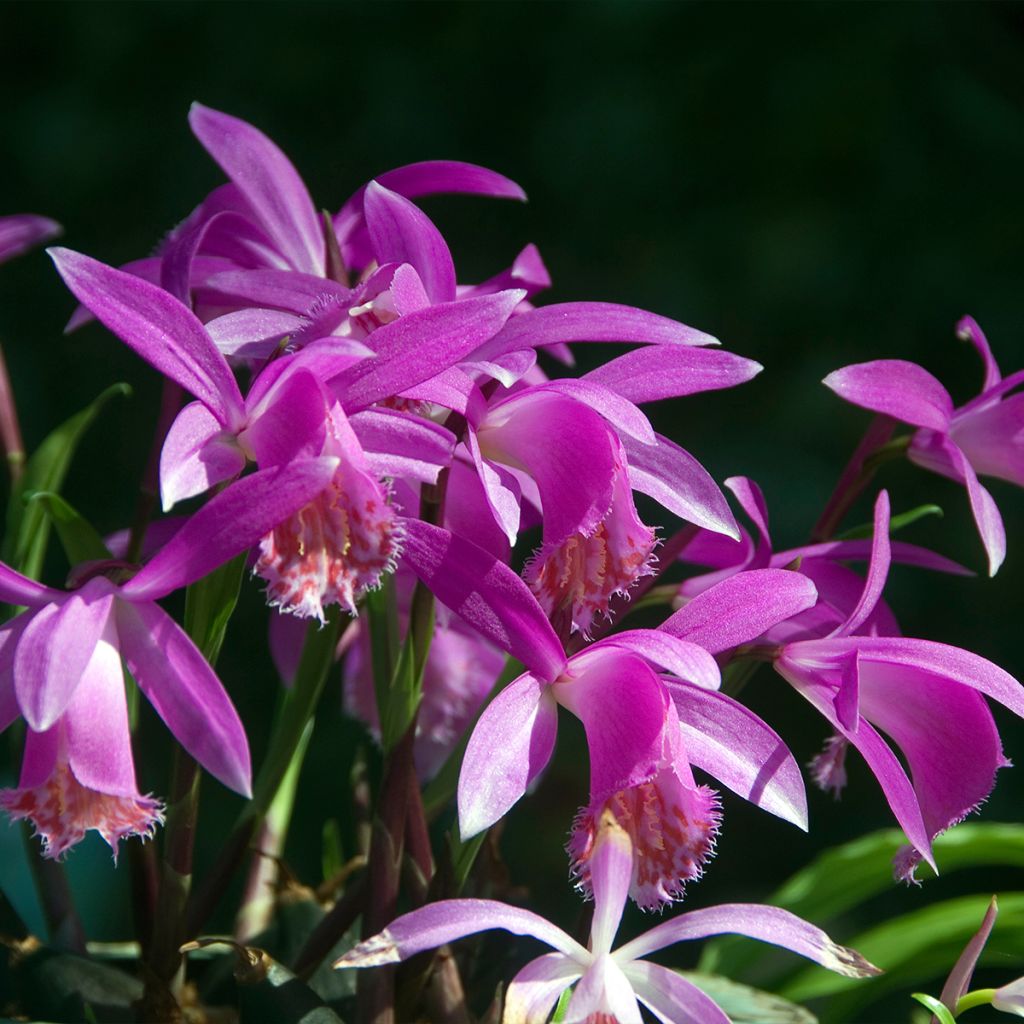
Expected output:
(10, 431)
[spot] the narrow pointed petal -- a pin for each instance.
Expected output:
(289, 422)
(655, 372)
(157, 327)
(53, 652)
(485, 593)
(510, 746)
(611, 874)
(196, 455)
(751, 500)
(603, 994)
(993, 439)
(533, 992)
(10, 634)
(670, 997)
(683, 659)
(741, 608)
(401, 232)
(397, 444)
(768, 924)
(903, 390)
(878, 569)
(730, 743)
(967, 329)
(252, 333)
(177, 680)
(17, 589)
(468, 514)
(268, 180)
(675, 479)
(983, 508)
(860, 551)
(439, 923)
(229, 523)
(500, 490)
(20, 231)
(620, 412)
(286, 290)
(592, 321)
(416, 347)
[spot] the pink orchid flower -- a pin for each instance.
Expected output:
(610, 984)
(19, 232)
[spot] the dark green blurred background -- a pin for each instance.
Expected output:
(814, 184)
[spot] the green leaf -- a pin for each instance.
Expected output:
(746, 1005)
(563, 1007)
(209, 603)
(28, 528)
(897, 522)
(936, 1006)
(78, 537)
(332, 856)
(846, 876)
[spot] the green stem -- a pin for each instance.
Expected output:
(979, 997)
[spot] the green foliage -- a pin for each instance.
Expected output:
(79, 538)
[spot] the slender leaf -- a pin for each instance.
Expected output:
(940, 1010)
(79, 538)
(746, 1005)
(898, 522)
(209, 604)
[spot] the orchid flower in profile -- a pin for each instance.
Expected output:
(60, 668)
(928, 697)
(20, 231)
(610, 983)
(642, 733)
(986, 435)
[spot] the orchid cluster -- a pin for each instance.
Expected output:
(410, 457)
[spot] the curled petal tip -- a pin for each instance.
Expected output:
(374, 952)
(844, 960)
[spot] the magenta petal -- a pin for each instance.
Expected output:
(992, 438)
(54, 650)
(967, 329)
(397, 444)
(286, 290)
(733, 745)
(741, 608)
(438, 923)
(769, 924)
(289, 422)
(17, 589)
(610, 876)
(670, 997)
(592, 321)
(983, 508)
(675, 479)
(860, 551)
(96, 719)
(620, 412)
(158, 327)
(655, 372)
(900, 389)
(878, 569)
(252, 333)
(751, 500)
(533, 992)
(500, 489)
(468, 514)
(185, 692)
(228, 524)
(402, 233)
(683, 659)
(268, 181)
(196, 455)
(959, 980)
(420, 345)
(510, 746)
(20, 231)
(486, 593)
(10, 634)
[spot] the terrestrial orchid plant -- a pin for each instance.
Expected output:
(409, 468)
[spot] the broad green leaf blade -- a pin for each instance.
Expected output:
(846, 876)
(746, 1005)
(28, 528)
(78, 537)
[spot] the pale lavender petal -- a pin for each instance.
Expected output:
(591, 321)
(670, 997)
(959, 980)
(610, 876)
(229, 523)
(741, 608)
(439, 923)
(287, 290)
(177, 680)
(252, 333)
(510, 746)
(401, 232)
(675, 479)
(730, 742)
(421, 345)
(54, 650)
(619, 411)
(768, 924)
(147, 268)
(17, 589)
(268, 181)
(683, 659)
(652, 373)
(158, 327)
(603, 992)
(289, 422)
(967, 329)
(533, 992)
(99, 739)
(878, 569)
(20, 231)
(196, 455)
(903, 390)
(487, 594)
(397, 444)
(1010, 998)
